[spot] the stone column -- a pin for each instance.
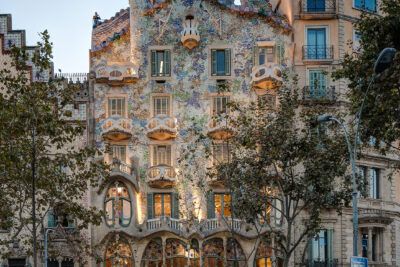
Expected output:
(224, 240)
(370, 243)
(201, 252)
(164, 244)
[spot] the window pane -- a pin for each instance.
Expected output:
(157, 205)
(119, 152)
(227, 205)
(261, 56)
(160, 63)
(270, 54)
(161, 106)
(167, 205)
(116, 106)
(162, 155)
(218, 204)
(220, 62)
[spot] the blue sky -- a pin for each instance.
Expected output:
(68, 22)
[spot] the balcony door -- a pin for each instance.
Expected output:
(317, 84)
(316, 5)
(316, 43)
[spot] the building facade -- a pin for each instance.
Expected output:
(155, 68)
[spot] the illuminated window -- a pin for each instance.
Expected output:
(234, 254)
(161, 106)
(117, 205)
(222, 204)
(162, 205)
(264, 256)
(213, 253)
(175, 253)
(116, 106)
(160, 63)
(153, 254)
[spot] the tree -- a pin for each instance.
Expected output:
(381, 114)
(283, 169)
(44, 168)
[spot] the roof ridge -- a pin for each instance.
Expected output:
(97, 21)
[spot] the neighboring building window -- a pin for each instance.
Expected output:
(374, 183)
(316, 5)
(116, 106)
(161, 155)
(368, 5)
(220, 105)
(160, 63)
(16, 262)
(375, 235)
(119, 152)
(317, 84)
(119, 254)
(220, 62)
(64, 263)
(118, 202)
(62, 218)
(321, 248)
(161, 106)
(356, 40)
(222, 204)
(316, 44)
(220, 153)
(362, 171)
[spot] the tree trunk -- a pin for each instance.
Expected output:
(33, 165)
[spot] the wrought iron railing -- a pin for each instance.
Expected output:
(319, 93)
(318, 6)
(72, 77)
(317, 52)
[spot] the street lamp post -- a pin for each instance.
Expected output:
(45, 245)
(383, 62)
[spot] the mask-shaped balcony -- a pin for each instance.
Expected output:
(190, 35)
(161, 176)
(124, 170)
(117, 75)
(162, 128)
(265, 78)
(220, 129)
(116, 128)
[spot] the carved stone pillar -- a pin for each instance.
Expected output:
(370, 243)
(201, 252)
(164, 244)
(224, 241)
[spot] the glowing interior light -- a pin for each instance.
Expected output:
(161, 66)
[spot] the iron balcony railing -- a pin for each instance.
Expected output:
(323, 263)
(319, 93)
(317, 52)
(318, 6)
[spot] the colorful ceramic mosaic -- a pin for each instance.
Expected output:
(234, 251)
(174, 248)
(213, 248)
(154, 251)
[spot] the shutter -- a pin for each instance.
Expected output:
(150, 205)
(310, 252)
(213, 62)
(330, 244)
(256, 56)
(153, 63)
(167, 60)
(227, 62)
(175, 205)
(378, 183)
(278, 55)
(210, 206)
(234, 197)
(155, 155)
(50, 219)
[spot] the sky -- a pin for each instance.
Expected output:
(68, 22)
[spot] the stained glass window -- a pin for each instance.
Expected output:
(213, 253)
(119, 254)
(175, 253)
(153, 254)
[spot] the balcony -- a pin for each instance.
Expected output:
(116, 128)
(319, 263)
(324, 94)
(161, 176)
(190, 35)
(162, 128)
(265, 78)
(219, 224)
(117, 75)
(317, 9)
(220, 130)
(318, 53)
(124, 170)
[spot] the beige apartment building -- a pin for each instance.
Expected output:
(156, 65)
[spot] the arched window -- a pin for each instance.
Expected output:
(213, 253)
(194, 253)
(175, 253)
(273, 206)
(234, 254)
(264, 253)
(153, 254)
(119, 254)
(117, 205)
